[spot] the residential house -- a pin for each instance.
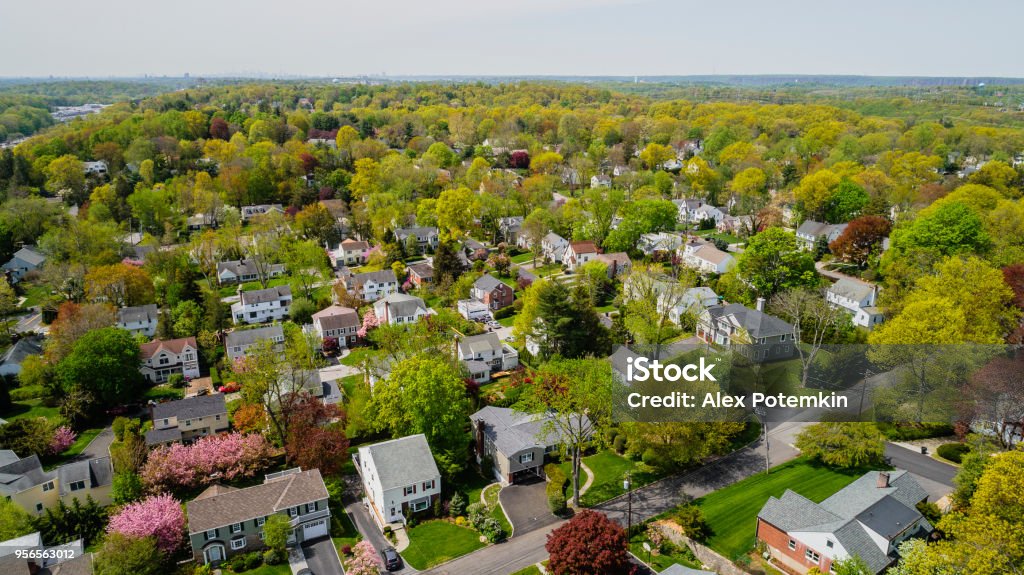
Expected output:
(621, 170)
(571, 177)
(650, 244)
(19, 352)
(473, 310)
(370, 286)
(25, 260)
(185, 420)
(43, 559)
(751, 332)
(349, 253)
(579, 253)
(339, 322)
(399, 478)
(421, 273)
(26, 483)
(692, 303)
(237, 342)
(516, 442)
(735, 224)
(706, 258)
(492, 292)
(600, 181)
(618, 263)
(859, 299)
(242, 271)
(141, 319)
(162, 358)
(811, 232)
(426, 237)
(97, 168)
(263, 305)
(868, 518)
(488, 349)
(400, 309)
(553, 247)
(224, 521)
(249, 212)
(509, 228)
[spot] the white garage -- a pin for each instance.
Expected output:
(314, 529)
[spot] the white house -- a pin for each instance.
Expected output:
(242, 271)
(553, 247)
(398, 476)
(810, 232)
(600, 181)
(427, 238)
(659, 242)
(858, 298)
(161, 359)
(263, 305)
(139, 319)
(473, 309)
(25, 260)
(370, 286)
(488, 349)
(349, 253)
(339, 322)
(238, 342)
(705, 257)
(579, 253)
(249, 212)
(97, 168)
(693, 302)
(400, 309)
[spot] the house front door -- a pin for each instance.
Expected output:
(214, 553)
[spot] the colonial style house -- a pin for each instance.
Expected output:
(735, 224)
(426, 237)
(238, 342)
(249, 212)
(162, 358)
(141, 319)
(579, 253)
(399, 477)
(421, 273)
(553, 247)
(600, 181)
(704, 257)
(488, 350)
(618, 263)
(224, 521)
(263, 305)
(510, 228)
(492, 292)
(811, 232)
(242, 271)
(859, 299)
(339, 322)
(35, 490)
(868, 518)
(185, 420)
(515, 442)
(751, 332)
(349, 253)
(370, 286)
(693, 302)
(400, 309)
(25, 260)
(650, 244)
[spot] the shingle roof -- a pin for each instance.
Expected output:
(138, 313)
(400, 305)
(354, 245)
(382, 276)
(513, 431)
(487, 282)
(422, 269)
(811, 228)
(23, 348)
(757, 323)
(401, 462)
(217, 507)
(583, 247)
(484, 342)
(337, 317)
(174, 346)
(616, 257)
(851, 288)
(22, 474)
(245, 337)
(191, 407)
(95, 472)
(794, 512)
(265, 295)
(710, 253)
(157, 436)
(29, 255)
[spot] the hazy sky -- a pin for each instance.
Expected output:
(511, 37)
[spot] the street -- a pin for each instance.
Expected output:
(934, 476)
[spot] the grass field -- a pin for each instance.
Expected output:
(523, 258)
(434, 542)
(491, 497)
(609, 470)
(230, 290)
(356, 356)
(34, 295)
(31, 408)
(531, 570)
(731, 513)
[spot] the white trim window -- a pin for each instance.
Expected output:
(237, 544)
(260, 521)
(812, 556)
(792, 545)
(210, 534)
(236, 528)
(526, 457)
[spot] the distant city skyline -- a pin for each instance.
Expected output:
(324, 38)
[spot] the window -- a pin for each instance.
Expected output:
(428, 485)
(39, 507)
(526, 457)
(812, 556)
(783, 338)
(293, 512)
(828, 543)
(188, 422)
(421, 505)
(236, 528)
(260, 521)
(311, 507)
(792, 545)
(77, 485)
(238, 543)
(165, 422)
(260, 534)
(411, 490)
(48, 486)
(217, 417)
(211, 534)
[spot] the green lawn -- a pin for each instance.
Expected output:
(491, 497)
(712, 234)
(507, 321)
(34, 295)
(661, 561)
(435, 542)
(280, 569)
(531, 570)
(731, 513)
(356, 357)
(31, 408)
(230, 290)
(548, 270)
(609, 470)
(523, 258)
(163, 392)
(343, 531)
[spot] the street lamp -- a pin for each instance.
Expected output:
(627, 484)
(762, 414)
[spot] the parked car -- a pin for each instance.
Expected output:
(392, 560)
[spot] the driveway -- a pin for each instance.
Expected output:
(365, 524)
(322, 557)
(526, 505)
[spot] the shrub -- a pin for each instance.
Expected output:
(119, 425)
(504, 312)
(492, 530)
(27, 392)
(556, 487)
(272, 557)
(457, 506)
(346, 550)
(619, 444)
(930, 511)
(650, 458)
(253, 560)
(912, 431)
(460, 521)
(476, 512)
(691, 519)
(176, 380)
(159, 516)
(953, 451)
(556, 503)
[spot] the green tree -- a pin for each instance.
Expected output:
(14, 521)
(127, 487)
(66, 174)
(105, 363)
(771, 263)
(275, 532)
(842, 444)
(123, 555)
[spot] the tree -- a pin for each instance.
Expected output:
(66, 174)
(158, 516)
(14, 521)
(654, 155)
(275, 532)
(447, 265)
(456, 210)
(316, 223)
(638, 218)
(651, 299)
(105, 363)
(813, 320)
(79, 520)
(27, 436)
(364, 560)
(842, 444)
(846, 202)
(587, 544)
(852, 565)
(535, 227)
(943, 229)
(316, 436)
(227, 456)
(123, 555)
(72, 322)
(63, 438)
(127, 487)
(771, 262)
(308, 267)
(815, 190)
(8, 305)
(249, 418)
(119, 285)
(561, 322)
(861, 240)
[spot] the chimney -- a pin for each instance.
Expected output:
(480, 438)
(883, 479)
(760, 304)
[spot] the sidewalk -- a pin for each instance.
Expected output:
(297, 560)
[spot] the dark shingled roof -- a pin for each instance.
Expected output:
(191, 407)
(757, 323)
(226, 507)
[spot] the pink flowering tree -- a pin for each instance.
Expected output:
(63, 438)
(364, 560)
(370, 321)
(159, 516)
(227, 456)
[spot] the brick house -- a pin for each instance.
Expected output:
(492, 292)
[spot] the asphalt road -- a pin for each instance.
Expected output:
(934, 476)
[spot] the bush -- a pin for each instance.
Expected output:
(27, 392)
(460, 521)
(912, 431)
(953, 451)
(619, 444)
(346, 550)
(492, 530)
(556, 502)
(556, 488)
(651, 458)
(253, 560)
(691, 519)
(504, 312)
(271, 557)
(476, 512)
(176, 380)
(930, 511)
(457, 506)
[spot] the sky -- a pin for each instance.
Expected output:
(100, 38)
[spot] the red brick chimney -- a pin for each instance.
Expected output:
(883, 479)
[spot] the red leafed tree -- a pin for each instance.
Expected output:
(1013, 275)
(219, 129)
(519, 160)
(309, 162)
(316, 436)
(862, 238)
(589, 543)
(330, 346)
(993, 398)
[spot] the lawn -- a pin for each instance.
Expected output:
(712, 234)
(609, 470)
(731, 513)
(548, 270)
(230, 290)
(280, 569)
(491, 497)
(434, 542)
(523, 258)
(507, 321)
(356, 357)
(34, 295)
(163, 392)
(531, 570)
(31, 408)
(343, 531)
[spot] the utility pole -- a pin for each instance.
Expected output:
(763, 416)
(863, 392)
(627, 485)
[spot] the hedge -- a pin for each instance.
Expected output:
(953, 451)
(912, 431)
(556, 487)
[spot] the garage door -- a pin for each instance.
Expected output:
(314, 530)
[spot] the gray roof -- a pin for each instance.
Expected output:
(484, 342)
(401, 305)
(158, 436)
(24, 347)
(265, 295)
(382, 276)
(852, 289)
(812, 228)
(422, 269)
(513, 431)
(246, 267)
(757, 323)
(245, 337)
(620, 358)
(401, 462)
(94, 472)
(29, 255)
(416, 231)
(138, 313)
(220, 506)
(22, 474)
(191, 407)
(793, 512)
(864, 492)
(677, 569)
(487, 282)
(337, 317)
